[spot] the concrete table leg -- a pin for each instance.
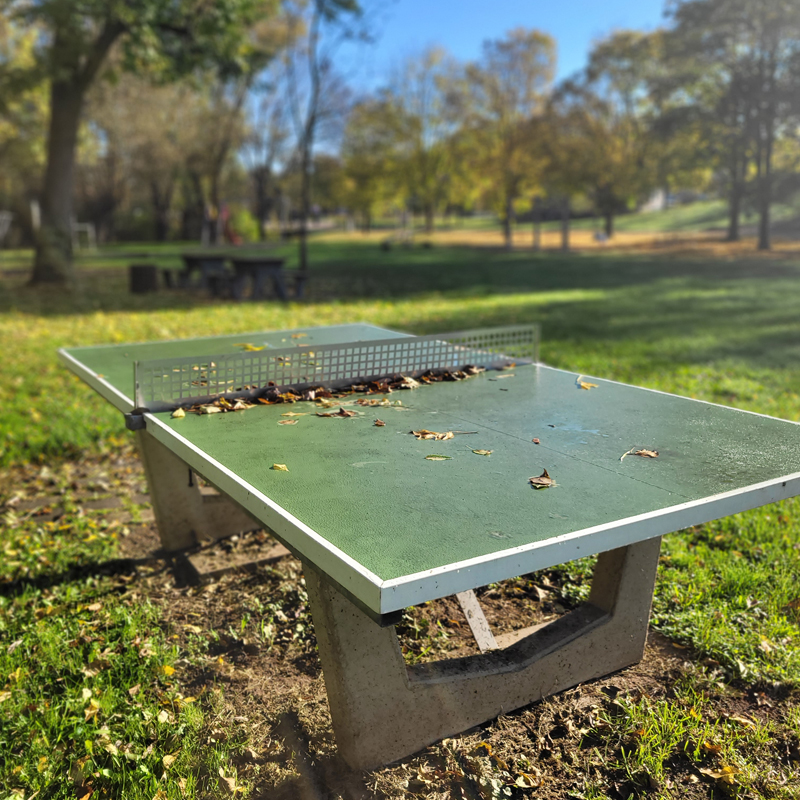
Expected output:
(185, 516)
(383, 711)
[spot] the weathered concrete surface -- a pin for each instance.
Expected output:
(383, 711)
(185, 515)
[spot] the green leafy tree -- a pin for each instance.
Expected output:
(601, 138)
(505, 92)
(371, 165)
(425, 110)
(23, 115)
(739, 64)
(75, 40)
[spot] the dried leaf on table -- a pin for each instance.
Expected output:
(643, 453)
(535, 441)
(542, 481)
(287, 422)
(438, 458)
(342, 412)
(250, 348)
(584, 384)
(426, 434)
(294, 414)
(178, 413)
(280, 467)
(483, 452)
(298, 335)
(379, 423)
(500, 377)
(209, 409)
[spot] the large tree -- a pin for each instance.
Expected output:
(740, 62)
(422, 96)
(505, 93)
(76, 38)
(318, 98)
(372, 169)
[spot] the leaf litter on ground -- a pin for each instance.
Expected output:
(436, 457)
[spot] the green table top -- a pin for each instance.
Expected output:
(367, 508)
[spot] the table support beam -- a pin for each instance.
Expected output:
(383, 710)
(186, 516)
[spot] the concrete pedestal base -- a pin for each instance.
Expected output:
(185, 514)
(383, 711)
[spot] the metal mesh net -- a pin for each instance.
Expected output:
(167, 383)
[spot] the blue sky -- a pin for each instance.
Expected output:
(405, 27)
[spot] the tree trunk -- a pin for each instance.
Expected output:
(565, 225)
(428, 219)
(764, 199)
(765, 170)
(507, 231)
(305, 201)
(609, 224)
(735, 197)
(161, 208)
(53, 261)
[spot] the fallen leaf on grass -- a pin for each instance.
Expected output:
(438, 458)
(168, 670)
(91, 710)
(379, 423)
(542, 481)
(726, 775)
(169, 760)
(192, 629)
(342, 412)
(584, 384)
(426, 434)
(228, 783)
(711, 747)
(134, 690)
(178, 413)
(5, 696)
(483, 452)
(748, 723)
(287, 422)
(280, 467)
(163, 716)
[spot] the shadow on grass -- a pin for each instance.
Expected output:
(344, 271)
(113, 567)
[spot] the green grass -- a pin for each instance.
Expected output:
(726, 331)
(89, 699)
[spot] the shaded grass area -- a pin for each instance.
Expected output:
(726, 331)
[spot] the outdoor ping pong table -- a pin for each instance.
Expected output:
(380, 528)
